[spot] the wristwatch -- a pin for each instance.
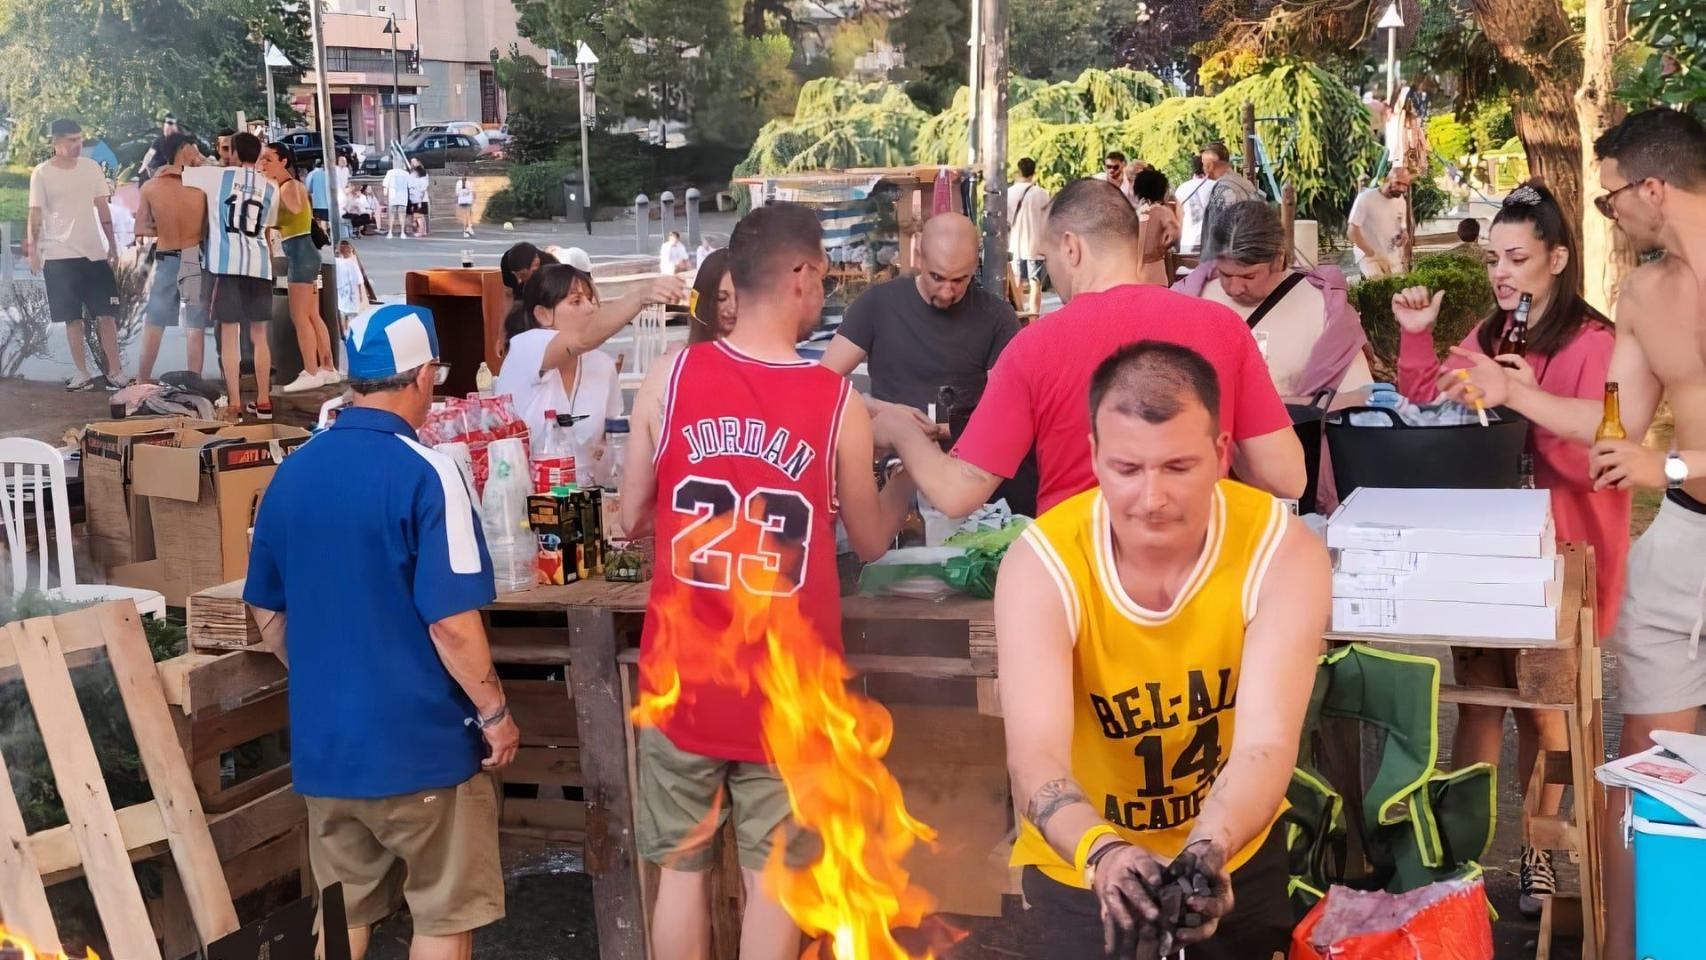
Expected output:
(1676, 470)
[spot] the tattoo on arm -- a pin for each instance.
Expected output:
(1050, 799)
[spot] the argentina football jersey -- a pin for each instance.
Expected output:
(241, 205)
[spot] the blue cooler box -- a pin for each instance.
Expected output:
(1670, 851)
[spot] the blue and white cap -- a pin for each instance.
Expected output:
(389, 340)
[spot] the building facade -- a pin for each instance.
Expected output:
(443, 68)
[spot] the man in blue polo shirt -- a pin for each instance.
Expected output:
(369, 564)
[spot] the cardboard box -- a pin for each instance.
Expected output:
(203, 494)
(1441, 583)
(118, 525)
(1485, 523)
(1451, 566)
(1431, 618)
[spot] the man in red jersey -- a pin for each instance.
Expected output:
(742, 458)
(1037, 388)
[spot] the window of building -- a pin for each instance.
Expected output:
(489, 98)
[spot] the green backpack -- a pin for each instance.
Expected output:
(1418, 824)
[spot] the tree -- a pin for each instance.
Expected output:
(1675, 37)
(118, 67)
(541, 119)
(1606, 253)
(1058, 39)
(751, 83)
(933, 34)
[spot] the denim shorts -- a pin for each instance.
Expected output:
(302, 258)
(165, 293)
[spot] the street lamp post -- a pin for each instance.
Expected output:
(585, 60)
(396, 99)
(323, 111)
(1391, 22)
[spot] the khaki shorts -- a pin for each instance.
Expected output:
(436, 849)
(1660, 666)
(685, 799)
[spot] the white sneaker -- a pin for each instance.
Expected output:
(303, 383)
(330, 377)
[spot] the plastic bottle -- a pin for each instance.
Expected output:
(553, 456)
(483, 380)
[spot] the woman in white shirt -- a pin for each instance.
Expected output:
(465, 205)
(541, 369)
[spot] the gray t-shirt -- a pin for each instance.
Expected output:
(914, 348)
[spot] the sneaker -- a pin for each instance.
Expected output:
(1538, 881)
(115, 384)
(303, 383)
(259, 412)
(330, 377)
(79, 382)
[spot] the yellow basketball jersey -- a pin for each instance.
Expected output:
(1154, 691)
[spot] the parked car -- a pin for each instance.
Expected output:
(306, 145)
(466, 128)
(433, 150)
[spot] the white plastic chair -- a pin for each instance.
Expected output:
(34, 471)
(649, 339)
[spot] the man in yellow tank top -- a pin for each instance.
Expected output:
(1128, 618)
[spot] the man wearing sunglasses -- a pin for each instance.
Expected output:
(1113, 171)
(1653, 172)
(398, 721)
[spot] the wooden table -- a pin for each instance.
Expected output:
(1563, 674)
(907, 651)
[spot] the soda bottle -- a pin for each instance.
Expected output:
(553, 457)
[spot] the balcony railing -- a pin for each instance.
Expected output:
(366, 60)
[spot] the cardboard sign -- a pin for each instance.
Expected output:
(119, 528)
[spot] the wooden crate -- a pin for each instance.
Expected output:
(218, 619)
(98, 840)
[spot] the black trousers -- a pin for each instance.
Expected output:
(1065, 923)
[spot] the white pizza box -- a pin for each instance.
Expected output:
(1436, 618)
(1441, 583)
(1453, 566)
(1483, 523)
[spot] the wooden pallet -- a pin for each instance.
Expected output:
(218, 619)
(100, 835)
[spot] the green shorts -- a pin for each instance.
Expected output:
(685, 799)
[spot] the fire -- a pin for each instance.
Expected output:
(14, 946)
(828, 745)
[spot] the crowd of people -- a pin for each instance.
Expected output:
(1164, 601)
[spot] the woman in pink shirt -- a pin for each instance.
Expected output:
(1532, 250)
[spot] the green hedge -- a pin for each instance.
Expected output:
(1468, 298)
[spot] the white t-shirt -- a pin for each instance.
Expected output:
(1287, 335)
(673, 252)
(1193, 203)
(1027, 209)
(70, 228)
(351, 294)
(342, 178)
(464, 193)
(1381, 219)
(418, 188)
(597, 392)
(396, 187)
(241, 205)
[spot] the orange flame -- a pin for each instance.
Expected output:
(11, 940)
(828, 744)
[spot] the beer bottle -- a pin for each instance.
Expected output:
(1611, 425)
(1515, 339)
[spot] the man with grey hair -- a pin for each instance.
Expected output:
(398, 722)
(1035, 395)
(1229, 187)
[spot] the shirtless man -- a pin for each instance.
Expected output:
(176, 217)
(1653, 170)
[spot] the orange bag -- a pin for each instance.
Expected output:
(1448, 920)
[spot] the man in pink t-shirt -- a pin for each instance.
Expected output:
(1037, 388)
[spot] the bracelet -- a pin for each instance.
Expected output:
(1090, 836)
(486, 723)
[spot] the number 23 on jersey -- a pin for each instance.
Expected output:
(761, 539)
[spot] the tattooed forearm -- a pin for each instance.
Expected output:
(1051, 798)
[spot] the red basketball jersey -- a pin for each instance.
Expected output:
(745, 539)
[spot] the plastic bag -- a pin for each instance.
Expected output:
(1449, 920)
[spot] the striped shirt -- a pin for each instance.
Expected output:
(241, 205)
